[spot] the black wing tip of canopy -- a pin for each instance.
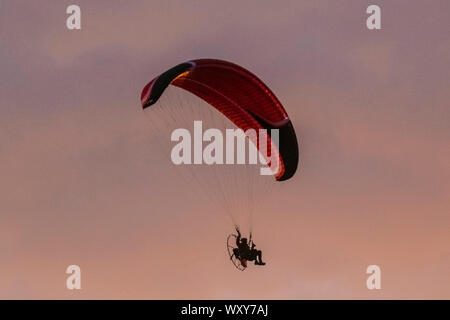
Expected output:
(163, 81)
(288, 145)
(289, 150)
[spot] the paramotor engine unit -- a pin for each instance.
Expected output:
(233, 253)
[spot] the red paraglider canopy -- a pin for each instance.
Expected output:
(236, 93)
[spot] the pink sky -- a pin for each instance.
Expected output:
(370, 108)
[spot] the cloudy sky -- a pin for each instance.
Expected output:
(79, 184)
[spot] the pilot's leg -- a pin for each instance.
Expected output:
(259, 257)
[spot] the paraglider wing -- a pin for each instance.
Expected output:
(239, 95)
